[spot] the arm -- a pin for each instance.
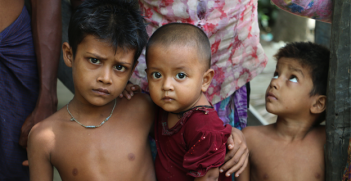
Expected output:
(237, 157)
(211, 175)
(46, 27)
(39, 145)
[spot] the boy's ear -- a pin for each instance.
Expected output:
(207, 79)
(67, 54)
(319, 104)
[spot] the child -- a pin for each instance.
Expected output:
(99, 137)
(190, 137)
(105, 40)
(292, 148)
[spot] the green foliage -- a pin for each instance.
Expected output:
(267, 14)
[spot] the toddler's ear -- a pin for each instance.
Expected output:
(67, 54)
(206, 79)
(319, 104)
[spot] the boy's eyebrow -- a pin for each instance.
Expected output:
(296, 70)
(97, 56)
(104, 58)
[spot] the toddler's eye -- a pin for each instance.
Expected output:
(94, 60)
(293, 79)
(120, 68)
(180, 76)
(275, 75)
(156, 75)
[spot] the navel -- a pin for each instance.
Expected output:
(75, 172)
(265, 176)
(131, 157)
(317, 175)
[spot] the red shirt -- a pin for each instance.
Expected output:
(191, 147)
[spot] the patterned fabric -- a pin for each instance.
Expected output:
(233, 109)
(317, 9)
(19, 87)
(237, 55)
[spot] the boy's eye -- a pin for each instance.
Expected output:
(156, 75)
(120, 68)
(293, 79)
(94, 60)
(275, 75)
(180, 76)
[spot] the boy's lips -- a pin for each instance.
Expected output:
(101, 91)
(271, 96)
(167, 98)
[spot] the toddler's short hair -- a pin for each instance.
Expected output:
(182, 34)
(116, 21)
(315, 57)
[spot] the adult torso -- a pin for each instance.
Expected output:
(9, 11)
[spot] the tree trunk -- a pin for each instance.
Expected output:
(339, 92)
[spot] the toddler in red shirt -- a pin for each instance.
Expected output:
(190, 137)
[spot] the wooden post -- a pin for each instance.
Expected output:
(339, 92)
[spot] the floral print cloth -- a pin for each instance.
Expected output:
(232, 27)
(317, 9)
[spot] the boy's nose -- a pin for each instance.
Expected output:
(167, 85)
(105, 76)
(274, 83)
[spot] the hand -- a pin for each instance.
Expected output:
(44, 108)
(129, 91)
(25, 163)
(237, 157)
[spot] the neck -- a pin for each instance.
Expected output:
(292, 129)
(89, 114)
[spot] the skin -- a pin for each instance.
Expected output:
(292, 148)
(119, 149)
(236, 158)
(177, 79)
(46, 28)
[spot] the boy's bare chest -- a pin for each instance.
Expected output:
(101, 154)
(300, 162)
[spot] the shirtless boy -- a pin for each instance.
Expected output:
(292, 148)
(102, 52)
(105, 39)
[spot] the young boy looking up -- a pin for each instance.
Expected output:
(292, 148)
(190, 137)
(105, 39)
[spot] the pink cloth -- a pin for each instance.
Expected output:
(232, 27)
(317, 9)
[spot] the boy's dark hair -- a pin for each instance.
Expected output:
(116, 21)
(182, 34)
(315, 57)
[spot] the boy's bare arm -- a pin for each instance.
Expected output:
(211, 175)
(40, 142)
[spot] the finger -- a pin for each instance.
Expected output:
(230, 142)
(237, 166)
(121, 95)
(131, 93)
(25, 163)
(234, 160)
(126, 94)
(237, 173)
